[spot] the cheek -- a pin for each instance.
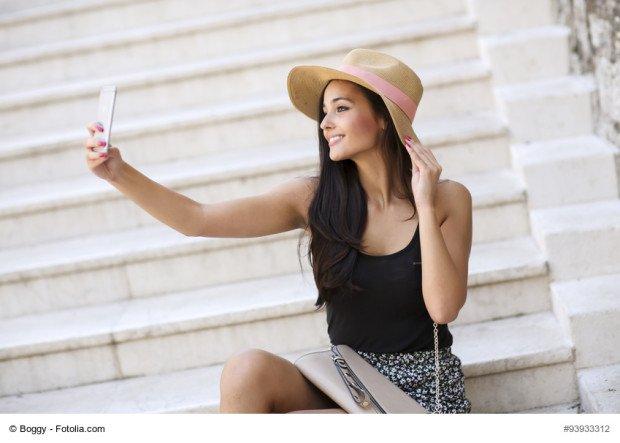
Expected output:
(364, 127)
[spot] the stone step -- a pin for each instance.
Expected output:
(25, 27)
(579, 240)
(549, 108)
(68, 20)
(480, 139)
(582, 167)
(588, 310)
(360, 23)
(127, 338)
(571, 407)
(509, 365)
(10, 7)
(46, 211)
(501, 16)
(599, 389)
(527, 55)
(542, 374)
(461, 87)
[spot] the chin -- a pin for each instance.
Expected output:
(336, 154)
(335, 157)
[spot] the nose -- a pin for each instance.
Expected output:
(325, 122)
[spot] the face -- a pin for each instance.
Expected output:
(354, 118)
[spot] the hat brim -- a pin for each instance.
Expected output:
(305, 85)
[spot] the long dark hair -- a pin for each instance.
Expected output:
(338, 212)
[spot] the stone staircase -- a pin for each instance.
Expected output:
(571, 179)
(105, 309)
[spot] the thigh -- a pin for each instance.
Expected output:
(288, 390)
(294, 392)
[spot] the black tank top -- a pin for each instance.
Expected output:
(389, 314)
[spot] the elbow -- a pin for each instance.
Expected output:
(197, 218)
(451, 314)
(442, 319)
(445, 315)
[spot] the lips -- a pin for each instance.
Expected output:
(332, 143)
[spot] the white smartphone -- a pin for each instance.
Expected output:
(105, 113)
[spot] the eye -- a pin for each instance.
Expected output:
(336, 109)
(342, 107)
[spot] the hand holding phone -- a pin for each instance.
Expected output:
(105, 114)
(104, 161)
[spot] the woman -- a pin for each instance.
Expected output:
(375, 212)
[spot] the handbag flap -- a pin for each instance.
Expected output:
(319, 368)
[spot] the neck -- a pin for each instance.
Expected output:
(373, 175)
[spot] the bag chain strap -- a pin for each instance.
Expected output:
(437, 406)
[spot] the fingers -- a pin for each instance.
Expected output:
(423, 155)
(93, 127)
(427, 154)
(94, 142)
(96, 156)
(416, 160)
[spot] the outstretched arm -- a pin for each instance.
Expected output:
(277, 210)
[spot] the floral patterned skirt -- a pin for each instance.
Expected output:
(414, 373)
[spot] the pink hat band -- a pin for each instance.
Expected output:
(403, 101)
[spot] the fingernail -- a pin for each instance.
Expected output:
(99, 126)
(103, 155)
(101, 142)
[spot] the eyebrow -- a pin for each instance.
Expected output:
(340, 98)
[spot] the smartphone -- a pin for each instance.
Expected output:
(107, 97)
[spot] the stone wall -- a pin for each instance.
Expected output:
(595, 49)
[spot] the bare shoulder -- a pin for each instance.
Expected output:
(452, 187)
(449, 194)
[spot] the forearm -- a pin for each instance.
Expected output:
(177, 211)
(441, 287)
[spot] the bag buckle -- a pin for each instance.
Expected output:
(357, 392)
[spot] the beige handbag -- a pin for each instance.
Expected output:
(356, 386)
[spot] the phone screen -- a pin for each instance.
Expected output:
(107, 97)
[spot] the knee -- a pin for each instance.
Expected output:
(247, 369)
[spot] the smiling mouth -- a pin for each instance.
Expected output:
(338, 140)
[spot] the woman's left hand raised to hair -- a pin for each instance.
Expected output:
(425, 174)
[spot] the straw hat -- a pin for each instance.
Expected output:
(397, 84)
